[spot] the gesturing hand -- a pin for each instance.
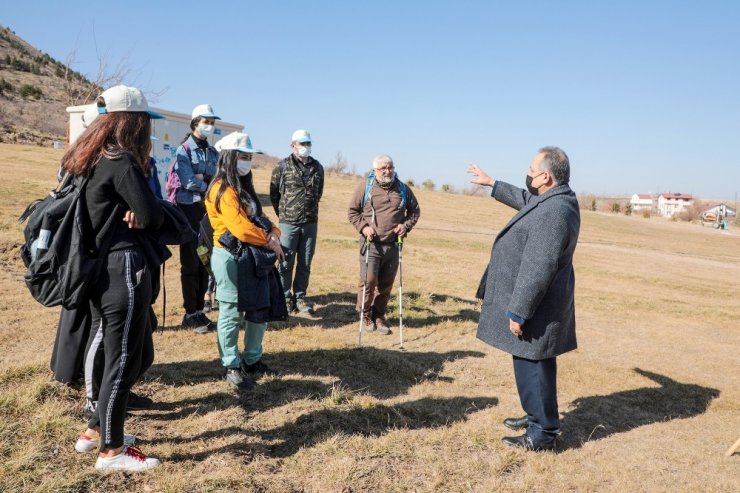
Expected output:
(479, 176)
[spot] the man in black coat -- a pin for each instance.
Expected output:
(528, 308)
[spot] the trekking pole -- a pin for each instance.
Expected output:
(400, 288)
(364, 290)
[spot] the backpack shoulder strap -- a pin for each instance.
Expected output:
(402, 186)
(368, 188)
(173, 163)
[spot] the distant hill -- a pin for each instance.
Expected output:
(35, 89)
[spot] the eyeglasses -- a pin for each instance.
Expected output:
(304, 144)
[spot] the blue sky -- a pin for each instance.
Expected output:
(644, 96)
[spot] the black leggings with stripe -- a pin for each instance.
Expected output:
(120, 310)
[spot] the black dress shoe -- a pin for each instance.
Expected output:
(526, 442)
(516, 424)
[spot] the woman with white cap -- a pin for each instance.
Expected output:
(233, 206)
(113, 154)
(196, 165)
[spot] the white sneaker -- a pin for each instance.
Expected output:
(88, 444)
(130, 459)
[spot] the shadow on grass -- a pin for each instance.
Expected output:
(334, 310)
(381, 373)
(600, 416)
(315, 427)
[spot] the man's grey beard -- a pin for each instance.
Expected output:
(385, 181)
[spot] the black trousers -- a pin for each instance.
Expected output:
(94, 362)
(536, 381)
(193, 274)
(120, 311)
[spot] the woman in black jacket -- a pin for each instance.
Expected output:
(114, 153)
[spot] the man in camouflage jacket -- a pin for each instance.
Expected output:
(295, 191)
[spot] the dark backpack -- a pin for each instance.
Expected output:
(59, 251)
(172, 184)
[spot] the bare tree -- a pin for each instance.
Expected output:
(340, 164)
(81, 89)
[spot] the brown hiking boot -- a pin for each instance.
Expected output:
(382, 326)
(368, 325)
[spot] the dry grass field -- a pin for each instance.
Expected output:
(650, 401)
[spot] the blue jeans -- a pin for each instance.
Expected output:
(301, 239)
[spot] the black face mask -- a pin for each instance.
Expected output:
(528, 181)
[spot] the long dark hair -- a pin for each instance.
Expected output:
(111, 136)
(227, 177)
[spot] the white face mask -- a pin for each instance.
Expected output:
(303, 151)
(205, 130)
(243, 166)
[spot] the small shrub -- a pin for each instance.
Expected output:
(646, 214)
(5, 86)
(411, 183)
(616, 208)
(593, 205)
(30, 91)
(628, 210)
(427, 184)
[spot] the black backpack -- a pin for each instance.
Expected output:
(59, 251)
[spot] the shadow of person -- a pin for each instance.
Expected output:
(334, 310)
(315, 427)
(381, 373)
(599, 416)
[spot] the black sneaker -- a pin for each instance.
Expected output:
(138, 402)
(207, 306)
(302, 307)
(258, 368)
(194, 322)
(210, 325)
(235, 377)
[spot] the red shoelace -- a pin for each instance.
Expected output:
(135, 453)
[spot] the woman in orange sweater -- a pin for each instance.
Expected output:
(230, 202)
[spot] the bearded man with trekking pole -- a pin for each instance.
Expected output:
(383, 210)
